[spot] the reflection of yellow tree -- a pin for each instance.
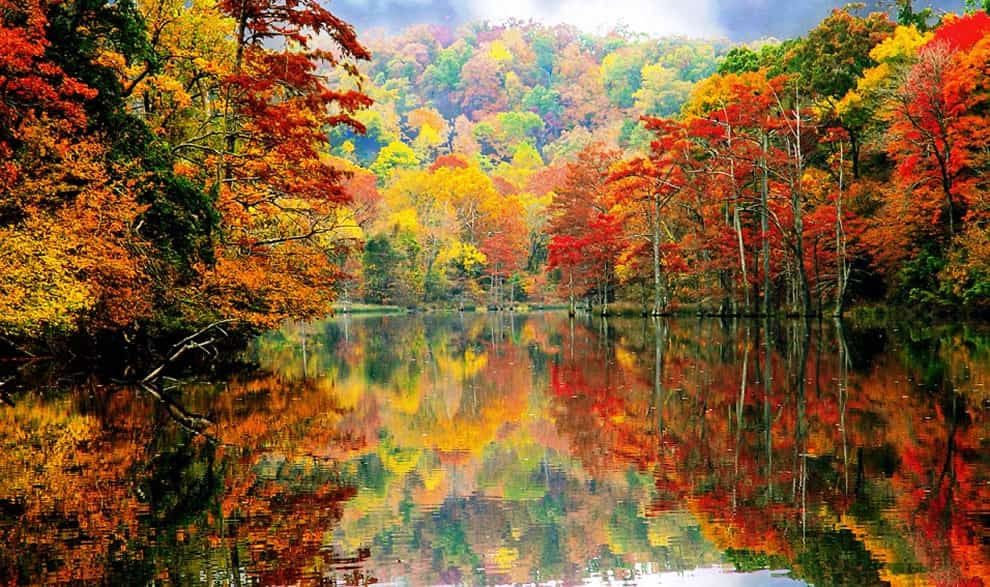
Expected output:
(483, 435)
(101, 482)
(63, 475)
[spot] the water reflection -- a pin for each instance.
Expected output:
(504, 448)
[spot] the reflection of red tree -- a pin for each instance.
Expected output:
(713, 456)
(283, 530)
(603, 426)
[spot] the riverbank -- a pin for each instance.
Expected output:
(144, 348)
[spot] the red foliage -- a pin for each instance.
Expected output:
(31, 86)
(961, 33)
(452, 161)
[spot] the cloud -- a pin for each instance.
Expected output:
(741, 20)
(695, 18)
(747, 20)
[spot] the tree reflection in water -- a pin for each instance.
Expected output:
(512, 448)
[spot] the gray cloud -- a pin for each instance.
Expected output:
(752, 19)
(737, 19)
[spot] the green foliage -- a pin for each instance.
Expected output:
(833, 557)
(917, 280)
(692, 60)
(516, 126)
(620, 72)
(545, 102)
(747, 561)
(634, 136)
(834, 55)
(908, 16)
(739, 60)
(395, 155)
(501, 133)
(661, 93)
(543, 48)
(774, 57)
(380, 261)
(181, 217)
(79, 31)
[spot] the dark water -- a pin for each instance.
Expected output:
(505, 449)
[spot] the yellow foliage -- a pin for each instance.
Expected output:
(111, 60)
(505, 558)
(892, 53)
(712, 93)
(39, 288)
(432, 477)
(406, 395)
(499, 52)
(405, 220)
(198, 41)
(903, 44)
(429, 136)
(464, 254)
(398, 461)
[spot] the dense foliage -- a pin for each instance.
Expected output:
(164, 162)
(523, 162)
(172, 163)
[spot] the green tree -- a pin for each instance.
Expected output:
(836, 52)
(395, 155)
(620, 75)
(180, 217)
(974, 5)
(380, 260)
(739, 60)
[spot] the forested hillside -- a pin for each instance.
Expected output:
(469, 142)
(523, 162)
(170, 163)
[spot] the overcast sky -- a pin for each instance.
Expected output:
(737, 19)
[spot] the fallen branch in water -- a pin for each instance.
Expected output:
(189, 343)
(17, 347)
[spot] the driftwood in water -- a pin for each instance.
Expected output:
(203, 340)
(188, 343)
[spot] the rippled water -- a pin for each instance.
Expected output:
(448, 449)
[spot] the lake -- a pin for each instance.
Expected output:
(503, 448)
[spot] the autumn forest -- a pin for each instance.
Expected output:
(289, 299)
(170, 163)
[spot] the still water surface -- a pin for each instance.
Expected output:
(484, 449)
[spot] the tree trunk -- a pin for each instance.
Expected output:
(659, 342)
(742, 255)
(764, 226)
(796, 210)
(657, 307)
(230, 132)
(854, 153)
(571, 308)
(842, 270)
(605, 290)
(767, 408)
